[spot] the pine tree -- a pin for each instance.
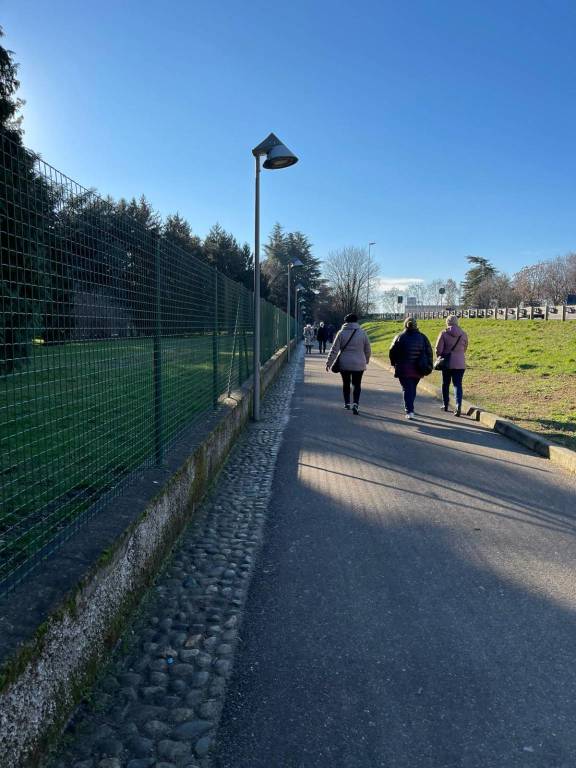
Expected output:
(26, 213)
(481, 271)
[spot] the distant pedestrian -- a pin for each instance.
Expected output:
(322, 337)
(411, 356)
(353, 344)
(308, 338)
(452, 342)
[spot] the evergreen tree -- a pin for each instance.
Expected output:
(480, 271)
(10, 104)
(177, 232)
(281, 249)
(26, 213)
(221, 249)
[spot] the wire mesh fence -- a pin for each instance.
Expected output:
(113, 341)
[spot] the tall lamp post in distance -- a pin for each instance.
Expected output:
(297, 288)
(368, 288)
(277, 156)
(291, 264)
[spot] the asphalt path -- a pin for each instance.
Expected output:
(414, 602)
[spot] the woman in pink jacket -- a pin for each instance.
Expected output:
(452, 341)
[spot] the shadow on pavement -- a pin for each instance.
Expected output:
(413, 606)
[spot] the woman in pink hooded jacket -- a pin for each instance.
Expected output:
(452, 341)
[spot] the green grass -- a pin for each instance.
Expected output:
(79, 417)
(522, 370)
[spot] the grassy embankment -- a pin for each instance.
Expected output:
(522, 370)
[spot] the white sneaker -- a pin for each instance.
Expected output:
(410, 416)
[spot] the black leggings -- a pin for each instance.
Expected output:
(356, 377)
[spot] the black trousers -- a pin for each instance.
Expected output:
(356, 377)
(321, 346)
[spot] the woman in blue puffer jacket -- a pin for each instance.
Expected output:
(411, 355)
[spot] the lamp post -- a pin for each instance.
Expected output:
(297, 288)
(368, 287)
(277, 156)
(291, 264)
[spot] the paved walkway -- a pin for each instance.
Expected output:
(414, 603)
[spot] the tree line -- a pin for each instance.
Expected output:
(72, 258)
(550, 281)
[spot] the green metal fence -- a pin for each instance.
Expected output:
(113, 341)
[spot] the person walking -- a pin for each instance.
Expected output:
(321, 337)
(353, 347)
(452, 342)
(411, 355)
(308, 338)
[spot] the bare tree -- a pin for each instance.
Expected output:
(416, 291)
(557, 280)
(351, 273)
(452, 297)
(547, 281)
(389, 300)
(498, 290)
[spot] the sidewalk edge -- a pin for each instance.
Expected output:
(556, 453)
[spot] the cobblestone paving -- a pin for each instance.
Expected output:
(159, 702)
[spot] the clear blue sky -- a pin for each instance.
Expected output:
(437, 129)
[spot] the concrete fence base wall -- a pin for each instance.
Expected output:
(46, 676)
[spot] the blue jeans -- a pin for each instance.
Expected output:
(455, 376)
(409, 391)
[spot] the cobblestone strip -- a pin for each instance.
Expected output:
(159, 702)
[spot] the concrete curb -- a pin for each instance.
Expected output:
(48, 673)
(557, 454)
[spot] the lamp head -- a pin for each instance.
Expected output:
(279, 157)
(277, 154)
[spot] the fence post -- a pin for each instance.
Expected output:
(157, 364)
(517, 313)
(530, 312)
(546, 312)
(230, 370)
(215, 342)
(563, 312)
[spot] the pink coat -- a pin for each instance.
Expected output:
(446, 341)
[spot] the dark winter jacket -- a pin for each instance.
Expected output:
(321, 333)
(405, 353)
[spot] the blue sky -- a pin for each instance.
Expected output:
(436, 129)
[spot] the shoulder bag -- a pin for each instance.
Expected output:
(335, 367)
(442, 363)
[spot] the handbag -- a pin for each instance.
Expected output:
(335, 367)
(424, 365)
(442, 363)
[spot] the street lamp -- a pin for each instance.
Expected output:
(277, 156)
(297, 288)
(293, 263)
(368, 288)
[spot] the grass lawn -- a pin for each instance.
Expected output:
(79, 417)
(522, 370)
